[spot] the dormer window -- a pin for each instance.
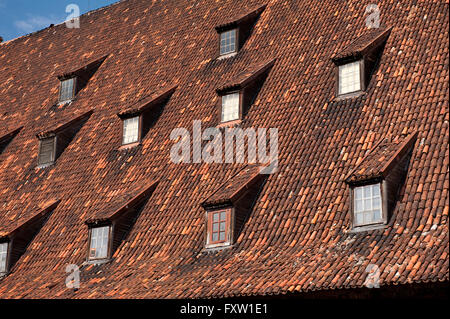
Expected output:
(219, 228)
(47, 150)
(52, 142)
(131, 130)
(67, 89)
(376, 182)
(234, 33)
(228, 42)
(99, 242)
(358, 61)
(231, 109)
(3, 258)
(367, 208)
(140, 116)
(238, 95)
(350, 77)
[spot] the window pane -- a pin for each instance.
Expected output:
(131, 130)
(230, 107)
(99, 242)
(349, 78)
(367, 191)
(223, 216)
(222, 236)
(358, 193)
(3, 255)
(222, 226)
(46, 150)
(215, 227)
(215, 237)
(367, 205)
(216, 217)
(228, 42)
(66, 90)
(376, 190)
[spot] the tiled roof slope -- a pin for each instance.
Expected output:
(296, 238)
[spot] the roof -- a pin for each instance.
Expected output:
(382, 158)
(296, 238)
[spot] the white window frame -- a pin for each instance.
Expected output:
(352, 73)
(225, 98)
(73, 81)
(4, 247)
(94, 235)
(226, 46)
(370, 195)
(136, 135)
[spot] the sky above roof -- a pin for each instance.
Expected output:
(21, 17)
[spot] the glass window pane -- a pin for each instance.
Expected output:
(222, 236)
(223, 216)
(228, 42)
(367, 205)
(230, 107)
(215, 217)
(359, 205)
(66, 90)
(215, 227)
(367, 191)
(3, 255)
(222, 226)
(215, 237)
(376, 190)
(99, 242)
(349, 78)
(358, 193)
(131, 130)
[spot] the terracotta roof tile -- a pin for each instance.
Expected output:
(296, 237)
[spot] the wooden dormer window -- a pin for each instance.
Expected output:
(228, 42)
(350, 77)
(367, 205)
(131, 130)
(47, 151)
(99, 242)
(234, 32)
(3, 258)
(67, 89)
(358, 61)
(219, 228)
(52, 142)
(376, 182)
(231, 107)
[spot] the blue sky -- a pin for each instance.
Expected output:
(20, 17)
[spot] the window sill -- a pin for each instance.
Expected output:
(42, 166)
(226, 56)
(217, 247)
(351, 95)
(98, 261)
(232, 123)
(359, 229)
(128, 146)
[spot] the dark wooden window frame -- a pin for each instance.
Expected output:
(74, 86)
(140, 123)
(108, 250)
(228, 228)
(55, 138)
(361, 79)
(237, 32)
(384, 206)
(239, 119)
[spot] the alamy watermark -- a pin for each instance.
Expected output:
(373, 18)
(232, 143)
(73, 279)
(73, 19)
